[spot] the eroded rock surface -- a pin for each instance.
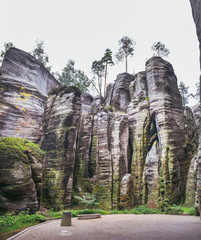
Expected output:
(24, 87)
(20, 175)
(60, 128)
(133, 147)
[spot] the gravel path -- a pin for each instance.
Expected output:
(119, 227)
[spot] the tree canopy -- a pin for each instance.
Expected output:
(39, 53)
(98, 70)
(6, 48)
(185, 95)
(74, 77)
(126, 49)
(107, 60)
(160, 49)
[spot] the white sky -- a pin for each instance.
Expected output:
(82, 29)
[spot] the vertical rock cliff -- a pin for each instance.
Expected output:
(133, 147)
(196, 10)
(24, 86)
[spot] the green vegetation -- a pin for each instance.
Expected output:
(6, 48)
(88, 200)
(160, 49)
(126, 49)
(17, 147)
(74, 77)
(11, 221)
(184, 93)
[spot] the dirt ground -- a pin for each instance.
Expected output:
(119, 227)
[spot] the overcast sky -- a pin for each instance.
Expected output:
(82, 29)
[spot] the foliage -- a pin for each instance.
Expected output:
(184, 93)
(11, 145)
(87, 200)
(107, 60)
(11, 221)
(197, 93)
(39, 53)
(6, 48)
(163, 205)
(73, 77)
(126, 49)
(160, 49)
(98, 70)
(174, 209)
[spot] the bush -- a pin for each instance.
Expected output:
(10, 221)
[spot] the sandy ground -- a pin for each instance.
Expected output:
(119, 227)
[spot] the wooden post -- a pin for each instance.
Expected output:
(66, 219)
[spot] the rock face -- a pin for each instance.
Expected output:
(20, 175)
(133, 147)
(60, 129)
(130, 148)
(196, 10)
(24, 86)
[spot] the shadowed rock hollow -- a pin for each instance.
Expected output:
(133, 147)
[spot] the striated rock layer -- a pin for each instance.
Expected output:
(127, 149)
(24, 86)
(20, 175)
(196, 11)
(133, 147)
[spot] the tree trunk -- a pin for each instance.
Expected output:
(126, 63)
(99, 85)
(105, 79)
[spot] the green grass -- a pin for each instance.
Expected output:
(174, 209)
(11, 221)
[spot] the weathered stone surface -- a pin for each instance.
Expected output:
(84, 143)
(118, 140)
(138, 117)
(126, 192)
(20, 175)
(120, 94)
(167, 111)
(191, 184)
(196, 10)
(60, 128)
(103, 186)
(152, 180)
(132, 147)
(24, 85)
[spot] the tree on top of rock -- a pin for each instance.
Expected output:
(98, 70)
(39, 52)
(160, 49)
(6, 48)
(126, 49)
(73, 77)
(107, 60)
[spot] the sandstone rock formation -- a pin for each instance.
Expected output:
(196, 10)
(133, 147)
(139, 129)
(20, 175)
(24, 86)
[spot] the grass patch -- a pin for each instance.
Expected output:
(174, 209)
(11, 221)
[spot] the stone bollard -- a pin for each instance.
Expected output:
(66, 219)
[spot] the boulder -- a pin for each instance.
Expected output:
(20, 175)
